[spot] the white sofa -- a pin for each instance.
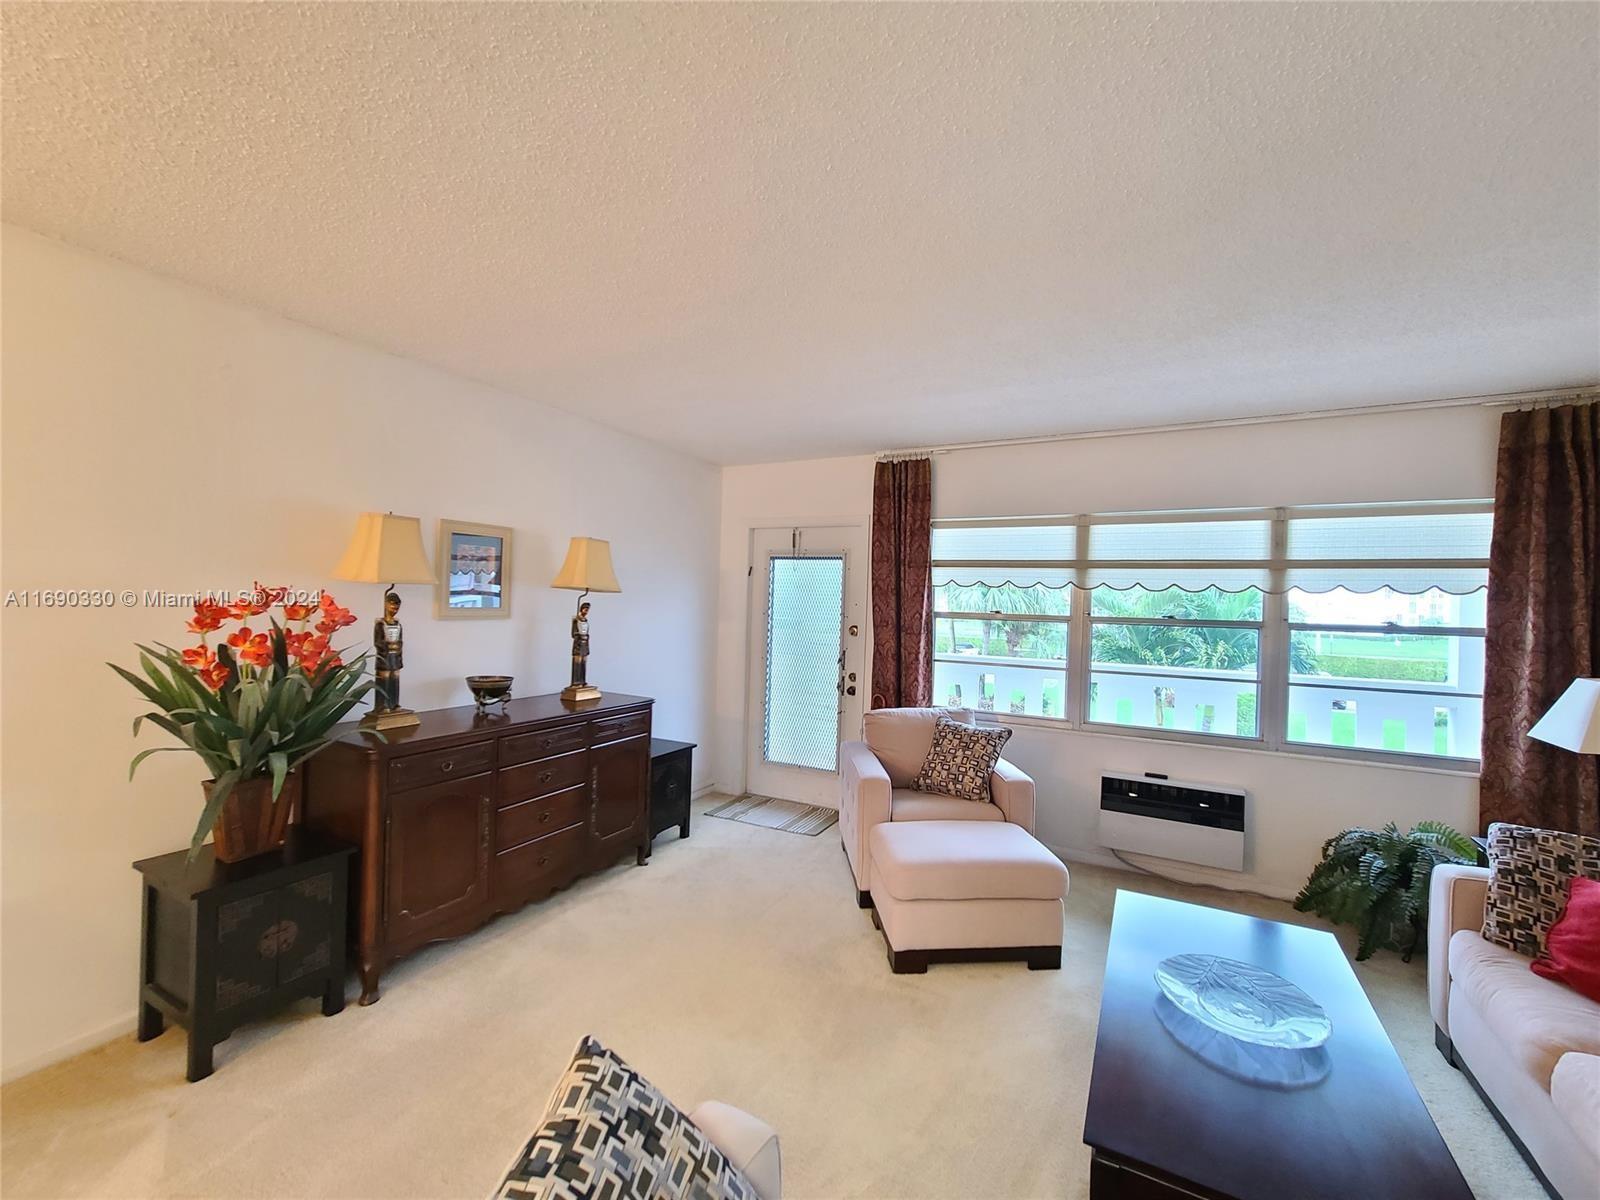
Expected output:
(608, 1131)
(750, 1144)
(1529, 1045)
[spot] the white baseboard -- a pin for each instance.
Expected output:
(70, 1048)
(1226, 881)
(1095, 857)
(124, 1025)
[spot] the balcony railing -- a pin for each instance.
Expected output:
(1375, 714)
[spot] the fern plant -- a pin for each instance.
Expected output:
(1377, 880)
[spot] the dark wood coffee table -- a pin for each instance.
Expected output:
(1343, 1121)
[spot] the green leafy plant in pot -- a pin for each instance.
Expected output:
(1377, 880)
(254, 707)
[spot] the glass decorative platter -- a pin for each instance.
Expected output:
(1243, 1001)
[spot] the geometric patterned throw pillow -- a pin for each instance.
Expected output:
(961, 758)
(610, 1135)
(1530, 873)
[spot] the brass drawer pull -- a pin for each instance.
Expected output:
(544, 860)
(544, 816)
(447, 766)
(546, 776)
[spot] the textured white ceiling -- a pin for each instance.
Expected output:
(763, 232)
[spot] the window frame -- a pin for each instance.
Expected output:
(1063, 669)
(1257, 627)
(1337, 683)
(1274, 632)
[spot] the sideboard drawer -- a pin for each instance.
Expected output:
(420, 770)
(544, 862)
(524, 747)
(614, 729)
(536, 818)
(527, 780)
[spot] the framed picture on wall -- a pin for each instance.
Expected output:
(474, 565)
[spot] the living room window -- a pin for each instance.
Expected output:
(1002, 621)
(1351, 631)
(1386, 649)
(1176, 660)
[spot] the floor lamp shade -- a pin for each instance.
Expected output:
(385, 549)
(1573, 721)
(588, 567)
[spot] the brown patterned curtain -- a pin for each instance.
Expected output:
(1544, 615)
(902, 595)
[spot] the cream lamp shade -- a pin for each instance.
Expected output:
(385, 549)
(1573, 722)
(588, 567)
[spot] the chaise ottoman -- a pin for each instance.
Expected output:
(965, 891)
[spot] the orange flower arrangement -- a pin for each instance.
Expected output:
(258, 702)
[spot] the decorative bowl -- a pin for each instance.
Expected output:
(489, 689)
(1243, 1001)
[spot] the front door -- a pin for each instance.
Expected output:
(807, 673)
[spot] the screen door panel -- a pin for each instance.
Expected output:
(804, 648)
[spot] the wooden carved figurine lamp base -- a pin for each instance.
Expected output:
(587, 569)
(387, 549)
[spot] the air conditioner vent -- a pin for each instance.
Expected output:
(1200, 823)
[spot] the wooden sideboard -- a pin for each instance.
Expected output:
(465, 816)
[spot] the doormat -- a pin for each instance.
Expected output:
(790, 816)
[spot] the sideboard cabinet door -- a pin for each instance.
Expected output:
(621, 788)
(438, 854)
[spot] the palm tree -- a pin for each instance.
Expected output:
(1182, 644)
(1204, 647)
(1007, 599)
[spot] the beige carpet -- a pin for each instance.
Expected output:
(735, 965)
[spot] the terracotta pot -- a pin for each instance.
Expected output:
(250, 823)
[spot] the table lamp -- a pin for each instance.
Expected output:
(587, 569)
(386, 549)
(1573, 722)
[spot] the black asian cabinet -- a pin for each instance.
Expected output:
(226, 943)
(671, 767)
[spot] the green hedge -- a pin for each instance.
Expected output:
(1245, 714)
(1409, 670)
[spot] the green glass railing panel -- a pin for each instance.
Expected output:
(1342, 729)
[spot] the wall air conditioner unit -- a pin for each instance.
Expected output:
(1186, 822)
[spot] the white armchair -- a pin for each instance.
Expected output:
(875, 778)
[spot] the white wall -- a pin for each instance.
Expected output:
(1298, 801)
(824, 491)
(156, 436)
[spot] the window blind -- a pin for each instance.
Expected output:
(1405, 550)
(1179, 550)
(1409, 548)
(995, 553)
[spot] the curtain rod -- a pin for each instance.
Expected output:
(1586, 394)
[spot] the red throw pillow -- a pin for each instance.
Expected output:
(1572, 947)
